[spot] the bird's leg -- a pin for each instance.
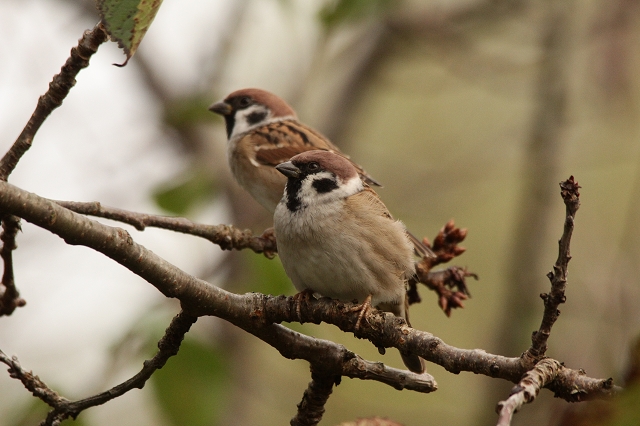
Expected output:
(363, 308)
(298, 298)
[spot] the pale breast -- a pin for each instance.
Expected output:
(343, 258)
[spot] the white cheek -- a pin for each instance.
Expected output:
(242, 122)
(352, 186)
(309, 195)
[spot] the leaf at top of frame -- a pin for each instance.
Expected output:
(127, 21)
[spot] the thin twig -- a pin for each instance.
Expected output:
(63, 408)
(31, 382)
(527, 389)
(58, 89)
(311, 408)
(228, 237)
(571, 196)
(9, 295)
(253, 311)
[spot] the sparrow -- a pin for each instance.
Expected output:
(263, 131)
(337, 238)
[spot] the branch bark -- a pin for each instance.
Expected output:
(228, 237)
(527, 389)
(9, 295)
(571, 196)
(311, 408)
(257, 313)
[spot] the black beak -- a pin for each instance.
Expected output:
(288, 169)
(221, 108)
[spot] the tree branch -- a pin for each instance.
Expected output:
(571, 196)
(256, 312)
(228, 237)
(311, 408)
(63, 408)
(527, 389)
(9, 296)
(58, 89)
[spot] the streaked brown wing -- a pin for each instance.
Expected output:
(284, 139)
(271, 157)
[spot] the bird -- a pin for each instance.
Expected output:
(264, 131)
(337, 238)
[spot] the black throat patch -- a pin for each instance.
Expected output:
(293, 198)
(229, 121)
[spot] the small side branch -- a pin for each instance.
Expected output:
(527, 389)
(9, 296)
(569, 189)
(311, 408)
(58, 90)
(228, 237)
(63, 408)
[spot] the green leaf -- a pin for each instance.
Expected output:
(127, 21)
(340, 11)
(179, 198)
(192, 388)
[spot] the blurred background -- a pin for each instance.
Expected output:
(465, 109)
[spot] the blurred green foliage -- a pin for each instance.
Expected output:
(341, 11)
(627, 408)
(192, 387)
(185, 112)
(194, 188)
(269, 275)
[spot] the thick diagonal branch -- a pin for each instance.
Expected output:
(58, 90)
(256, 312)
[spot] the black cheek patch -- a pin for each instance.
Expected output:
(324, 185)
(256, 117)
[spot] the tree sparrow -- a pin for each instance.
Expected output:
(336, 237)
(264, 131)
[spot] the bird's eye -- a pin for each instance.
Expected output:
(313, 166)
(245, 101)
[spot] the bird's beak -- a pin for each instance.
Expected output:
(221, 108)
(288, 169)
